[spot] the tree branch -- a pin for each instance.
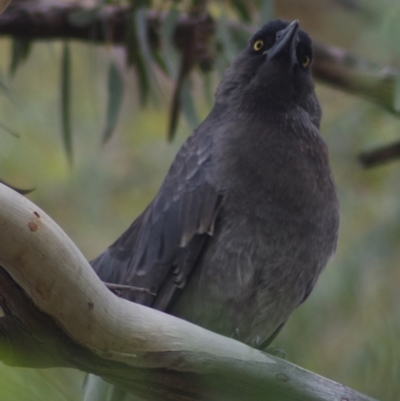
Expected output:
(37, 20)
(348, 72)
(54, 311)
(108, 24)
(376, 157)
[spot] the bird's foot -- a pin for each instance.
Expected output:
(236, 333)
(278, 352)
(256, 342)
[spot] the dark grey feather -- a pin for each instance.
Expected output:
(153, 252)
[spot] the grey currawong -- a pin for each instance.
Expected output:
(248, 216)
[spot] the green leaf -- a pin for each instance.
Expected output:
(19, 190)
(229, 48)
(243, 10)
(175, 110)
(115, 95)
(140, 17)
(136, 57)
(208, 89)
(160, 62)
(4, 86)
(396, 104)
(170, 54)
(188, 106)
(20, 50)
(66, 100)
(9, 130)
(239, 36)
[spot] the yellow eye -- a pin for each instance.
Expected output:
(306, 61)
(258, 45)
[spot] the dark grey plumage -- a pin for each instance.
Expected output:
(247, 216)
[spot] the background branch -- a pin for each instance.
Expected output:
(377, 157)
(109, 24)
(55, 312)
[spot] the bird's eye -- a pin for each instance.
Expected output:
(306, 61)
(258, 45)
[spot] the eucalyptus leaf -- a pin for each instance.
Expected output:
(66, 100)
(187, 105)
(170, 54)
(9, 130)
(20, 50)
(175, 111)
(136, 57)
(19, 190)
(140, 17)
(229, 48)
(158, 59)
(208, 89)
(240, 37)
(4, 86)
(115, 96)
(243, 9)
(396, 104)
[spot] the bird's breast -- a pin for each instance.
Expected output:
(275, 232)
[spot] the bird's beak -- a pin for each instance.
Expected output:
(285, 44)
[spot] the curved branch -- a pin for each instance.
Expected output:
(332, 66)
(346, 71)
(54, 311)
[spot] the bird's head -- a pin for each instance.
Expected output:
(273, 72)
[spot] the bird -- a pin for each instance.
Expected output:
(248, 214)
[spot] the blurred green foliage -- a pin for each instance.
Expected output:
(349, 328)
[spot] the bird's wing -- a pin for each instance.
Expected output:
(159, 249)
